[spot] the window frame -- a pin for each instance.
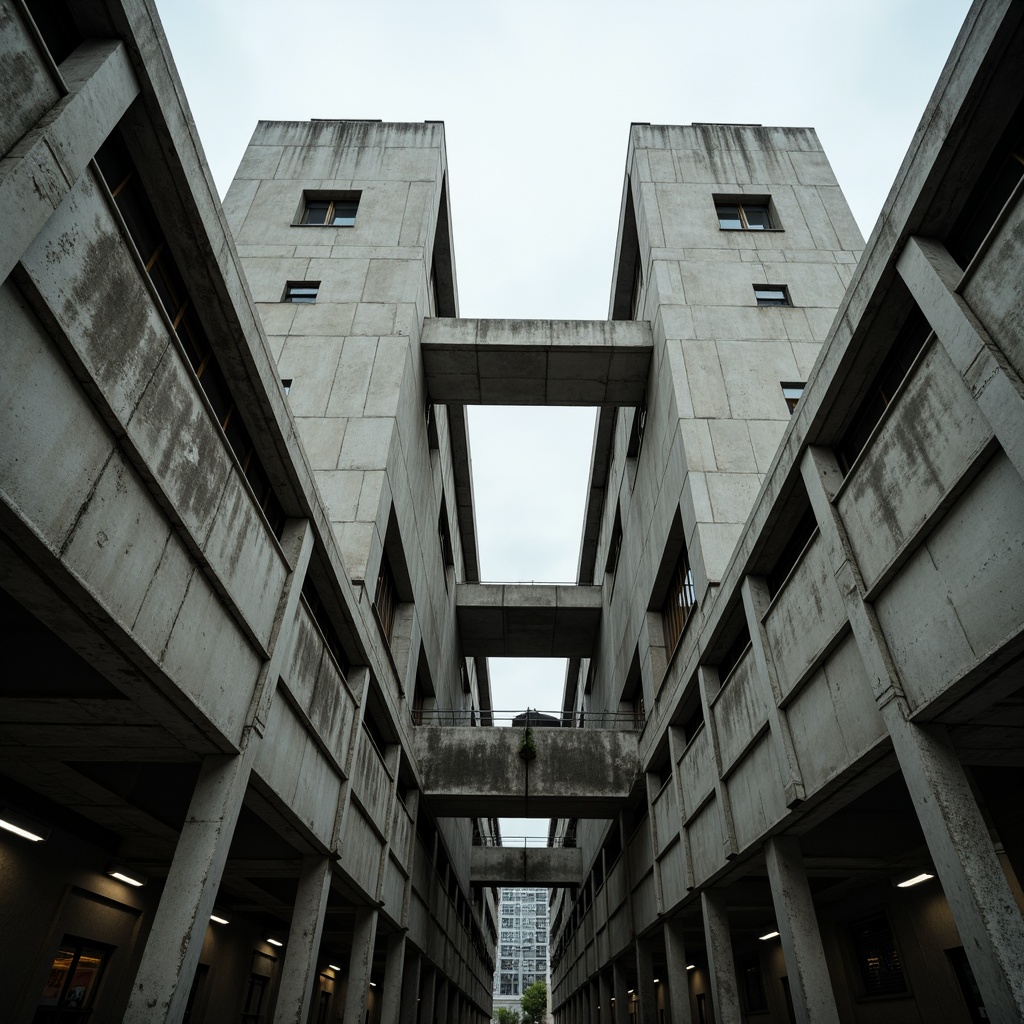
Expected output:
(763, 295)
(301, 293)
(333, 201)
(742, 205)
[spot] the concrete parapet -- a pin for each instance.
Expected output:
(573, 773)
(524, 620)
(536, 362)
(525, 866)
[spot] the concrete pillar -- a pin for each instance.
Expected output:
(990, 925)
(721, 967)
(426, 1004)
(295, 994)
(183, 914)
(678, 975)
(410, 986)
(390, 987)
(360, 963)
(605, 1003)
(621, 994)
(809, 981)
(647, 996)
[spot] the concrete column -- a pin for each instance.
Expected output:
(678, 975)
(605, 1002)
(360, 963)
(410, 986)
(295, 994)
(647, 1003)
(990, 925)
(621, 1013)
(721, 967)
(183, 914)
(809, 981)
(932, 276)
(391, 988)
(426, 1004)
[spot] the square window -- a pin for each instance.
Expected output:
(301, 291)
(754, 214)
(772, 295)
(332, 211)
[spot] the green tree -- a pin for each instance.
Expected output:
(535, 1002)
(503, 1015)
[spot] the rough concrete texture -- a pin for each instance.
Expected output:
(585, 773)
(526, 866)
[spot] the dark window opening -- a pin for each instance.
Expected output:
(376, 734)
(994, 187)
(754, 996)
(301, 291)
(679, 601)
(140, 219)
(286, 384)
(386, 597)
(57, 27)
(790, 554)
(73, 982)
(615, 544)
(876, 955)
(733, 654)
(331, 212)
(636, 295)
(772, 295)
(636, 432)
(445, 536)
(890, 376)
(323, 622)
(693, 722)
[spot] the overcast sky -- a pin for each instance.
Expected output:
(537, 99)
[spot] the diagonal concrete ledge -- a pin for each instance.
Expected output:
(536, 362)
(527, 620)
(478, 772)
(529, 866)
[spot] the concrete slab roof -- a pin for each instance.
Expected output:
(527, 620)
(536, 362)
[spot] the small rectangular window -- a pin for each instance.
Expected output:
(874, 949)
(330, 212)
(792, 391)
(772, 295)
(301, 291)
(679, 601)
(754, 215)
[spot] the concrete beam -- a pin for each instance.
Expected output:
(526, 620)
(536, 362)
(525, 866)
(576, 773)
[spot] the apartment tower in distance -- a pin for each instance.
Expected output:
(250, 769)
(522, 956)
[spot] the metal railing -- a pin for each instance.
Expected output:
(530, 718)
(526, 842)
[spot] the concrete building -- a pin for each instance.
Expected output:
(522, 956)
(248, 770)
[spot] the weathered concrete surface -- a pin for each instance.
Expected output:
(577, 773)
(536, 362)
(524, 620)
(526, 866)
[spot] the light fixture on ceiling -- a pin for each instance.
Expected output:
(373, 984)
(127, 875)
(274, 942)
(334, 967)
(770, 935)
(691, 967)
(656, 981)
(22, 826)
(916, 880)
(219, 916)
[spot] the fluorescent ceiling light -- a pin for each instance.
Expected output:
(218, 920)
(275, 942)
(770, 935)
(691, 967)
(923, 877)
(334, 967)
(34, 834)
(126, 875)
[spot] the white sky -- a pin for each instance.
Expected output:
(537, 99)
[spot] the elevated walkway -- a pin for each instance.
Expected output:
(536, 362)
(525, 866)
(480, 772)
(527, 620)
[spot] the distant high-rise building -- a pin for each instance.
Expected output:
(522, 956)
